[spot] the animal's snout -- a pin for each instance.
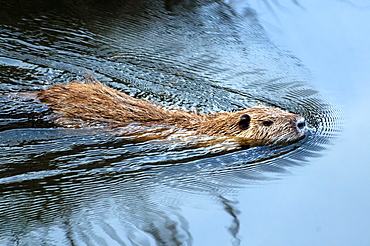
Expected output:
(301, 123)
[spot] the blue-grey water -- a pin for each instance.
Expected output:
(98, 186)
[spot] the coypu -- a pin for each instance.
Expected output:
(93, 102)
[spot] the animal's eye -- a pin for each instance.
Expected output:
(267, 123)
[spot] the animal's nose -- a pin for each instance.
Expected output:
(301, 123)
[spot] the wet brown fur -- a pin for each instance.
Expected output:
(94, 102)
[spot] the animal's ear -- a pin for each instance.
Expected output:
(244, 121)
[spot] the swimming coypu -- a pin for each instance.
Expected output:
(93, 102)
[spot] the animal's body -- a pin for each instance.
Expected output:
(93, 102)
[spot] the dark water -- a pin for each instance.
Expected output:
(94, 187)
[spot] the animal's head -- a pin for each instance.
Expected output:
(271, 125)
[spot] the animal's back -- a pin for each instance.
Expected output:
(93, 101)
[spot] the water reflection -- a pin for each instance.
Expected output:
(92, 186)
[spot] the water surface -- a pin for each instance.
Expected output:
(93, 187)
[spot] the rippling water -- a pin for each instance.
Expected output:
(95, 187)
